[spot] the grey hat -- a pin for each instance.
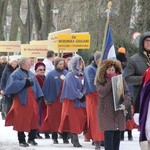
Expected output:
(97, 55)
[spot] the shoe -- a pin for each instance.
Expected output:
(65, 141)
(47, 136)
(32, 142)
(97, 146)
(93, 143)
(55, 141)
(102, 143)
(75, 140)
(130, 138)
(24, 144)
(38, 137)
(77, 145)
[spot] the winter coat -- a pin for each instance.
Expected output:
(133, 73)
(109, 119)
(5, 75)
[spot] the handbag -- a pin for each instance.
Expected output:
(145, 145)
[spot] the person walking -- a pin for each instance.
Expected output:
(92, 103)
(73, 117)
(26, 90)
(111, 121)
(42, 108)
(52, 90)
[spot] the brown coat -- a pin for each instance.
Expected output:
(109, 119)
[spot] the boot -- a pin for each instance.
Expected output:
(97, 146)
(75, 141)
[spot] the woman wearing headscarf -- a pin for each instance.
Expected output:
(73, 117)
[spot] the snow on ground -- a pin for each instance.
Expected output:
(8, 141)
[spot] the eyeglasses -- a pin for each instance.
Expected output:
(147, 41)
(41, 69)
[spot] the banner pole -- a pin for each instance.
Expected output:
(109, 5)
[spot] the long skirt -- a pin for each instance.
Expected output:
(23, 118)
(42, 114)
(93, 131)
(73, 119)
(53, 117)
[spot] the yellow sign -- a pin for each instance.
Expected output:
(28, 50)
(10, 46)
(53, 39)
(74, 41)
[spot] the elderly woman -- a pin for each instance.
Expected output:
(7, 100)
(23, 113)
(73, 117)
(40, 76)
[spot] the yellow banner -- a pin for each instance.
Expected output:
(28, 50)
(10, 46)
(53, 39)
(74, 41)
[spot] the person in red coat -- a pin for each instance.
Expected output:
(40, 76)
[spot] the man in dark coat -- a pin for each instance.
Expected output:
(136, 66)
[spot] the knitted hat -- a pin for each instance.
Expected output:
(97, 55)
(39, 64)
(122, 50)
(13, 60)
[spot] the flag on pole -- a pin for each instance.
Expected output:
(109, 49)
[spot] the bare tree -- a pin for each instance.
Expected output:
(3, 11)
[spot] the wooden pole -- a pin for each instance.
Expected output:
(109, 5)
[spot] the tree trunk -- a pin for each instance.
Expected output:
(3, 10)
(47, 23)
(36, 15)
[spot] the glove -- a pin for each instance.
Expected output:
(122, 107)
(29, 83)
(47, 103)
(82, 99)
(40, 99)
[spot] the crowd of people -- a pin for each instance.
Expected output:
(58, 97)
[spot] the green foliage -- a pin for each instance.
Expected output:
(130, 48)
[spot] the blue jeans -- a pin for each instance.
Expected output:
(112, 140)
